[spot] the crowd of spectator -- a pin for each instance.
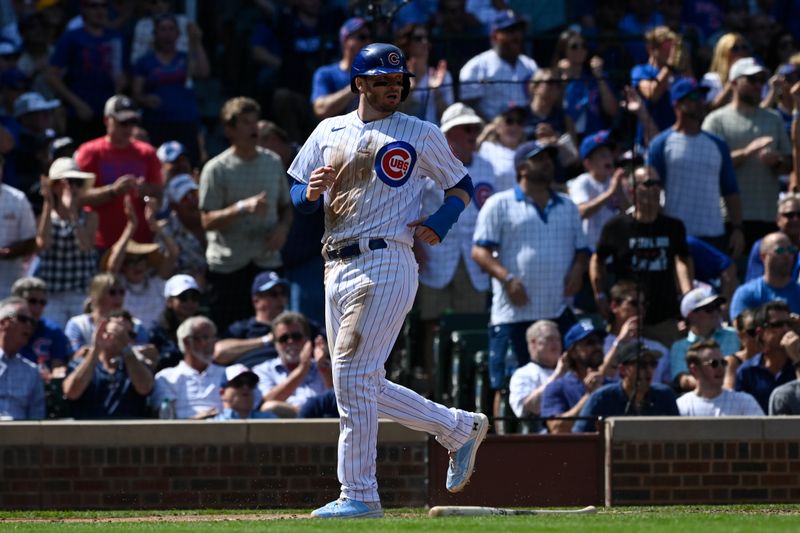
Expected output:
(626, 157)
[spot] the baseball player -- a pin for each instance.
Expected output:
(367, 168)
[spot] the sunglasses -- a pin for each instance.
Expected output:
(274, 293)
(75, 182)
(777, 324)
(647, 184)
(709, 309)
(648, 363)
(203, 338)
(472, 128)
(750, 332)
(37, 301)
(632, 301)
(239, 383)
(419, 38)
(511, 121)
(131, 122)
(25, 320)
(190, 295)
(716, 363)
(577, 46)
(756, 79)
(294, 337)
(791, 214)
(695, 96)
(789, 250)
(116, 292)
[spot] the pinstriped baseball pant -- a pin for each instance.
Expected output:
(367, 299)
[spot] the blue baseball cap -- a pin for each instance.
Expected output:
(506, 20)
(580, 331)
(170, 151)
(595, 141)
(531, 148)
(683, 88)
(351, 26)
(267, 280)
(787, 69)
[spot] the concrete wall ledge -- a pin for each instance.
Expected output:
(683, 429)
(189, 432)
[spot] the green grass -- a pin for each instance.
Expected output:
(684, 519)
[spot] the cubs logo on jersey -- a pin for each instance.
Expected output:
(395, 162)
(481, 192)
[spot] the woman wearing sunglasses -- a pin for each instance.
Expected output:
(588, 98)
(65, 239)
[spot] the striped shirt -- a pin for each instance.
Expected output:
(16, 224)
(537, 246)
(381, 168)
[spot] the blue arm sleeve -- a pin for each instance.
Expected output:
(447, 215)
(301, 203)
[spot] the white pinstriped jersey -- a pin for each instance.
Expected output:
(380, 169)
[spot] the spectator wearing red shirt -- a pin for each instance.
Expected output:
(123, 166)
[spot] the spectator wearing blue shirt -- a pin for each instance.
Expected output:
(778, 255)
(773, 367)
(788, 221)
(108, 380)
(701, 309)
(633, 395)
(330, 88)
(654, 78)
(160, 86)
(86, 69)
(320, 406)
(696, 169)
(588, 97)
(713, 268)
(21, 387)
(47, 345)
(566, 396)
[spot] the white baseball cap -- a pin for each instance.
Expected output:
(459, 114)
(239, 371)
(178, 186)
(746, 66)
(170, 151)
(178, 284)
(697, 298)
(65, 168)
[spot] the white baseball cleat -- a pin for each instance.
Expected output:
(462, 461)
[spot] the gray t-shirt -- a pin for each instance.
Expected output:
(758, 183)
(785, 400)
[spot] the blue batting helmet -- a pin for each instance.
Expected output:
(380, 58)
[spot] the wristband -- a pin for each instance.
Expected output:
(265, 339)
(508, 279)
(447, 215)
(240, 206)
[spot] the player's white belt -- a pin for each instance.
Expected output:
(352, 250)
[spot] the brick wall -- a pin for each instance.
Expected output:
(194, 465)
(702, 460)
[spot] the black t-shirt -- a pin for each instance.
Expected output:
(646, 253)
